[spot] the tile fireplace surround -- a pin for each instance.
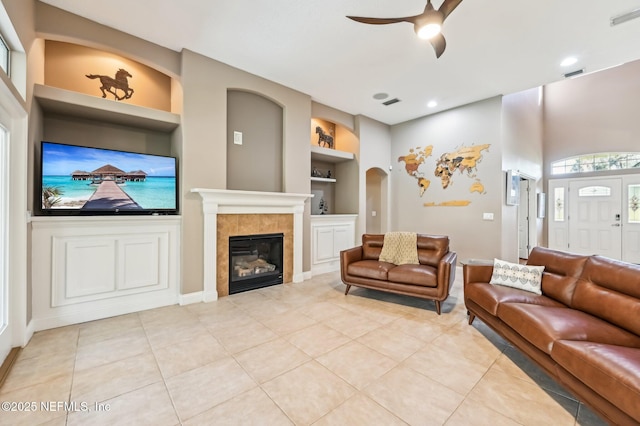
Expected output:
(245, 204)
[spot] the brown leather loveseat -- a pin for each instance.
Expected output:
(583, 330)
(430, 279)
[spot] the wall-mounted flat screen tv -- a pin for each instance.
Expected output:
(92, 181)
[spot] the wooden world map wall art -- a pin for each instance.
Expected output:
(113, 85)
(463, 160)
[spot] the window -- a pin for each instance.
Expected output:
(4, 55)
(558, 200)
(634, 203)
(594, 191)
(596, 163)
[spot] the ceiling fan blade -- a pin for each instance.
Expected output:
(381, 21)
(448, 6)
(439, 44)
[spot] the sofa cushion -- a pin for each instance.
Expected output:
(523, 277)
(372, 246)
(611, 371)
(543, 325)
(421, 275)
(431, 248)
(490, 296)
(399, 248)
(561, 271)
(370, 269)
(609, 289)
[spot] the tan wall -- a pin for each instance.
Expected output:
(256, 164)
(593, 113)
(375, 153)
(522, 131)
(474, 124)
(204, 130)
(68, 65)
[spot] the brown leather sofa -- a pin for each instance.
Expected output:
(431, 279)
(583, 330)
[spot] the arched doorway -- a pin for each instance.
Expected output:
(376, 220)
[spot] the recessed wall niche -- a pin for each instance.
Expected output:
(67, 66)
(254, 143)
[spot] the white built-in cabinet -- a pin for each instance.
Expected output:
(85, 268)
(96, 267)
(329, 235)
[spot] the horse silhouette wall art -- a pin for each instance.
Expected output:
(324, 139)
(112, 85)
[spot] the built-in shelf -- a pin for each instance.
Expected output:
(67, 102)
(321, 179)
(329, 155)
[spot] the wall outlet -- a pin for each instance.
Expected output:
(487, 216)
(237, 138)
(374, 213)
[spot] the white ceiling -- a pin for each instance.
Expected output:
(494, 47)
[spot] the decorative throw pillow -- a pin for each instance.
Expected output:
(524, 277)
(400, 248)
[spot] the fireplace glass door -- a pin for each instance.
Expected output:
(255, 261)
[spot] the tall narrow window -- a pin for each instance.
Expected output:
(634, 203)
(558, 204)
(4, 55)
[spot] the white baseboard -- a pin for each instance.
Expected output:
(209, 296)
(28, 333)
(191, 298)
(307, 275)
(82, 313)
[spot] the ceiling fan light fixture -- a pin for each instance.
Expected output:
(429, 25)
(429, 31)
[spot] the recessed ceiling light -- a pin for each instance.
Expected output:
(432, 104)
(567, 62)
(381, 96)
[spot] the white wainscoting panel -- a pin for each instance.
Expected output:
(142, 262)
(87, 268)
(82, 269)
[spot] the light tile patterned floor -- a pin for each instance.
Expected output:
(290, 354)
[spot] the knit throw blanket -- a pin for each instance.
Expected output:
(400, 248)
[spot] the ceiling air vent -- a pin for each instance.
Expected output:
(573, 73)
(391, 102)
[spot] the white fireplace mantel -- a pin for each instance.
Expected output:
(223, 201)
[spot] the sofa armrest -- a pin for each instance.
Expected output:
(477, 272)
(447, 271)
(347, 257)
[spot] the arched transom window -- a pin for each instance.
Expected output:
(596, 163)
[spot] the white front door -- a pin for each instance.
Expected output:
(595, 217)
(5, 329)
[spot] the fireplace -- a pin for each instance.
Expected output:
(248, 212)
(255, 261)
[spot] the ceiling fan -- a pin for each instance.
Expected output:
(427, 25)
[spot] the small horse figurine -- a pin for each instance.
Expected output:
(112, 85)
(325, 139)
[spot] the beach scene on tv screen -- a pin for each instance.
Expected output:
(75, 177)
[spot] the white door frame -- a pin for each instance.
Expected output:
(558, 227)
(531, 213)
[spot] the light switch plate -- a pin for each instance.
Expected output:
(237, 138)
(487, 216)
